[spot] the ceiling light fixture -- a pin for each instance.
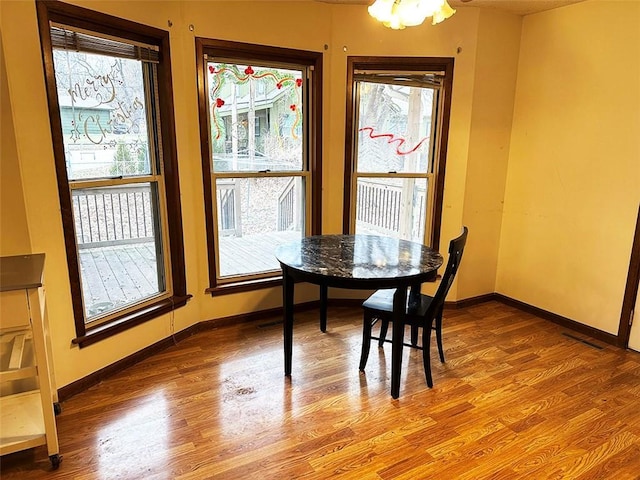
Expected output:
(398, 14)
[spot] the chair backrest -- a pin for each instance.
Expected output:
(456, 248)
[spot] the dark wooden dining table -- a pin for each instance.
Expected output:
(355, 262)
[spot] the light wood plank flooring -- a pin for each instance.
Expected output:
(516, 399)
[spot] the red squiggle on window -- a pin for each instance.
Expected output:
(391, 139)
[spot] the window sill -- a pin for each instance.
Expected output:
(244, 286)
(126, 322)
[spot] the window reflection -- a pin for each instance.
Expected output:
(148, 428)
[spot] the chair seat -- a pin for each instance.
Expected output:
(382, 302)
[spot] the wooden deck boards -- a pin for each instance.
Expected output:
(252, 253)
(118, 275)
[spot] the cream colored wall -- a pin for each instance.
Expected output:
(13, 219)
(573, 184)
(494, 77)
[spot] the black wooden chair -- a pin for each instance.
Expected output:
(423, 311)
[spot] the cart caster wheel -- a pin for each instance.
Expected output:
(55, 460)
(57, 408)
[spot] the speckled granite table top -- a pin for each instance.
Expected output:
(358, 257)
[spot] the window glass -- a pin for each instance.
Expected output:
(391, 206)
(118, 246)
(104, 112)
(258, 167)
(395, 151)
(255, 215)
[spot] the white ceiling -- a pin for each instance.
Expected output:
(518, 7)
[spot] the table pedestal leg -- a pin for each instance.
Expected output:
(324, 295)
(399, 302)
(287, 307)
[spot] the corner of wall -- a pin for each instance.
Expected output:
(14, 229)
(495, 75)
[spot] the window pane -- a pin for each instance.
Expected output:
(118, 246)
(255, 215)
(394, 128)
(392, 206)
(256, 117)
(103, 115)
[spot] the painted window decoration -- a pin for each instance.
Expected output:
(394, 128)
(392, 138)
(256, 117)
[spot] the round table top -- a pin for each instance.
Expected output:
(359, 257)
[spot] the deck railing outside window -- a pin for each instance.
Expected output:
(113, 215)
(286, 207)
(380, 206)
(122, 215)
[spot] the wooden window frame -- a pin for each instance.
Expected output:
(437, 64)
(53, 11)
(252, 53)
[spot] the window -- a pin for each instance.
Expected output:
(396, 138)
(259, 123)
(109, 90)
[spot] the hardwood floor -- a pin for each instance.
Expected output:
(516, 399)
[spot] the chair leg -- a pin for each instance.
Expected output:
(366, 340)
(439, 334)
(426, 355)
(414, 335)
(384, 326)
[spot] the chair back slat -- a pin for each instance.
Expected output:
(456, 249)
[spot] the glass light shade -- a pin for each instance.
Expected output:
(444, 12)
(383, 11)
(412, 12)
(398, 14)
